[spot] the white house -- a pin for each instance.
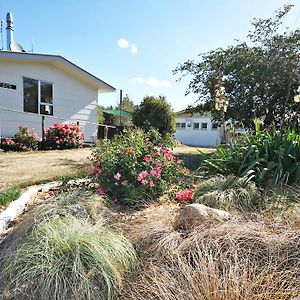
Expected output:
(34, 85)
(197, 130)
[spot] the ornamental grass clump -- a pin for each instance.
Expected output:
(133, 166)
(63, 136)
(67, 258)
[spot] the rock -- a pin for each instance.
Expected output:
(193, 215)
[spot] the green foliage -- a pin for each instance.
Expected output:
(260, 76)
(9, 195)
(135, 166)
(24, 140)
(68, 258)
(229, 193)
(155, 113)
(266, 156)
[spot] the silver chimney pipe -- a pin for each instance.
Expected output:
(9, 30)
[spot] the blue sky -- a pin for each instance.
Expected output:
(156, 35)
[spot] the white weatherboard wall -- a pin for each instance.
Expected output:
(73, 99)
(197, 137)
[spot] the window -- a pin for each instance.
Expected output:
(38, 96)
(196, 126)
(203, 126)
(180, 125)
(214, 126)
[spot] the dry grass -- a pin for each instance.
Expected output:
(17, 168)
(224, 261)
(183, 149)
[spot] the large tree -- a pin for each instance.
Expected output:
(155, 113)
(260, 75)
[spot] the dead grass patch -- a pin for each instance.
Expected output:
(233, 260)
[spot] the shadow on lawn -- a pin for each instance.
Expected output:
(193, 161)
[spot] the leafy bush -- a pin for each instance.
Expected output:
(23, 140)
(63, 136)
(266, 157)
(134, 165)
(155, 113)
(67, 258)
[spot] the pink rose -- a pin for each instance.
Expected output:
(117, 176)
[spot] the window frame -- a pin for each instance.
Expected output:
(196, 128)
(214, 128)
(39, 102)
(202, 128)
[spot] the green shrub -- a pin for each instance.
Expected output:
(23, 140)
(67, 258)
(63, 136)
(266, 156)
(155, 113)
(134, 166)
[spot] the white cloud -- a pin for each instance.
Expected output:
(123, 43)
(133, 49)
(152, 81)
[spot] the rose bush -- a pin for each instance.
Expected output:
(24, 140)
(63, 136)
(135, 166)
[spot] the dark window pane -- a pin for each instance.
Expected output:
(46, 92)
(177, 125)
(30, 95)
(203, 125)
(183, 125)
(196, 125)
(215, 126)
(46, 109)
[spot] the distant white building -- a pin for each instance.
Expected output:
(197, 130)
(34, 85)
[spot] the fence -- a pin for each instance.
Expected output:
(103, 131)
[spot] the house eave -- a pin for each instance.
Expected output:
(61, 62)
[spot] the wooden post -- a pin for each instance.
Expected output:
(105, 132)
(43, 129)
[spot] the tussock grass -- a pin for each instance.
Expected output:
(65, 249)
(230, 193)
(229, 261)
(68, 258)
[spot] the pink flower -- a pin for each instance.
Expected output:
(152, 184)
(158, 164)
(144, 182)
(185, 195)
(154, 154)
(147, 158)
(153, 173)
(142, 175)
(100, 192)
(117, 176)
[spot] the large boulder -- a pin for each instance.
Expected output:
(193, 215)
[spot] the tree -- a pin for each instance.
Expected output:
(128, 106)
(155, 113)
(260, 76)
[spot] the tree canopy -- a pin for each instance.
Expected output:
(155, 113)
(260, 75)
